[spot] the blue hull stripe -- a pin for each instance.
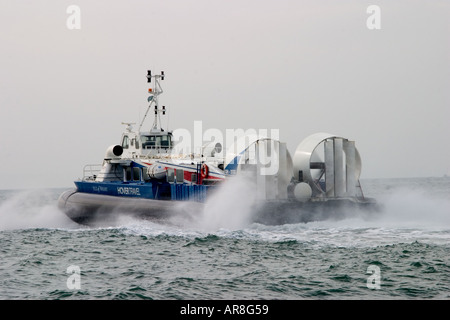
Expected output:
(117, 189)
(157, 191)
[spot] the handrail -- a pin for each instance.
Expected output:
(91, 171)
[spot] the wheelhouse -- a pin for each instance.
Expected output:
(156, 141)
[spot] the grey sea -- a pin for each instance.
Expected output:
(401, 253)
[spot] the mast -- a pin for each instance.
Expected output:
(153, 101)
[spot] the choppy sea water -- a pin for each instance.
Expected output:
(402, 253)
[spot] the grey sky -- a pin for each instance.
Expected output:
(298, 66)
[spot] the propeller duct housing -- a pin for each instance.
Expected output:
(331, 165)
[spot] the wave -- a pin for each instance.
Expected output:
(408, 215)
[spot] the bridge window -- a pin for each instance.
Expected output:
(159, 141)
(125, 142)
(165, 141)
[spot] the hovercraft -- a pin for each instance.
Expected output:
(147, 175)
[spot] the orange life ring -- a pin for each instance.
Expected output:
(204, 171)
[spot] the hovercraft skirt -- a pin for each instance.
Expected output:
(86, 208)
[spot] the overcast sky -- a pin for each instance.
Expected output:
(298, 66)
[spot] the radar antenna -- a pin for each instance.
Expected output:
(129, 125)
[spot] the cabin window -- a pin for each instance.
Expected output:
(160, 141)
(136, 174)
(128, 173)
(179, 175)
(165, 141)
(148, 142)
(133, 174)
(135, 143)
(170, 175)
(125, 142)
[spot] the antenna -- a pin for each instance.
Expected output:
(153, 100)
(129, 125)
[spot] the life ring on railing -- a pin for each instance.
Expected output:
(204, 171)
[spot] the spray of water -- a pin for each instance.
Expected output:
(230, 206)
(402, 207)
(31, 209)
(408, 214)
(415, 209)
